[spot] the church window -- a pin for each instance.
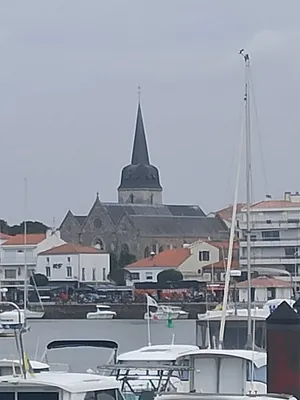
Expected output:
(161, 249)
(146, 252)
(97, 223)
(131, 198)
(98, 243)
(154, 247)
(151, 199)
(125, 248)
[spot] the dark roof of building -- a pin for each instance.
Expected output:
(173, 226)
(140, 174)
(116, 210)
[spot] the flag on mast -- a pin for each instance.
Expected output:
(151, 302)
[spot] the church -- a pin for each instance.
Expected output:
(139, 222)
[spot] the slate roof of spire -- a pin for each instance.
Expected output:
(140, 153)
(140, 174)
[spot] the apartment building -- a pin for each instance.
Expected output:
(275, 234)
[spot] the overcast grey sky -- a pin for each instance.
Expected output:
(68, 95)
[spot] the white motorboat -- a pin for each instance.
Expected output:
(25, 384)
(204, 396)
(162, 312)
(12, 367)
(151, 367)
(182, 314)
(256, 313)
(102, 312)
(59, 386)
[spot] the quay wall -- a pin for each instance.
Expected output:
(124, 311)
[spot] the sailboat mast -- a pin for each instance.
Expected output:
(25, 253)
(248, 186)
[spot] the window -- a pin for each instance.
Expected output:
(104, 274)
(204, 255)
(108, 394)
(48, 272)
(135, 276)
(149, 276)
(69, 272)
(10, 274)
(69, 259)
(270, 235)
(93, 274)
(146, 252)
(131, 198)
(291, 251)
(83, 274)
(259, 374)
(38, 395)
(48, 260)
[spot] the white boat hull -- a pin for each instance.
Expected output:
(34, 314)
(183, 315)
(162, 316)
(101, 315)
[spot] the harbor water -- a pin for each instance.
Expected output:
(129, 334)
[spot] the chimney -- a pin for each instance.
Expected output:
(283, 351)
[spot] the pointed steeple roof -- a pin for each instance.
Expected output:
(140, 154)
(140, 174)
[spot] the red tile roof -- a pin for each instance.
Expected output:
(4, 236)
(265, 282)
(275, 204)
(172, 258)
(71, 248)
(220, 265)
(31, 238)
(226, 213)
(224, 244)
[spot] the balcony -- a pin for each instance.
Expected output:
(293, 242)
(292, 223)
(271, 260)
(17, 261)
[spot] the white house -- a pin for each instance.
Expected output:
(18, 249)
(265, 288)
(74, 263)
(202, 261)
(275, 234)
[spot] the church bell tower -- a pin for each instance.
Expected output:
(140, 183)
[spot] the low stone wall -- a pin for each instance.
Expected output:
(124, 311)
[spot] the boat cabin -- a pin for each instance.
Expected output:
(12, 367)
(59, 386)
(227, 371)
(151, 368)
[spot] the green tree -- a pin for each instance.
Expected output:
(118, 263)
(38, 280)
(170, 275)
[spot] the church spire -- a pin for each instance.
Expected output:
(140, 153)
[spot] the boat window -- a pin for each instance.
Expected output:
(259, 374)
(7, 395)
(109, 394)
(38, 396)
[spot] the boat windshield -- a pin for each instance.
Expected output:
(108, 394)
